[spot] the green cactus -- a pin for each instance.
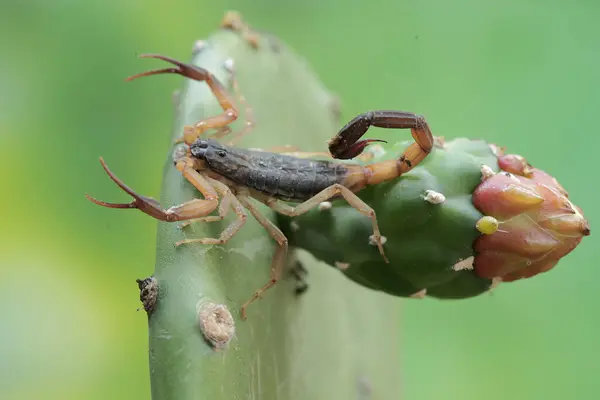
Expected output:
(463, 220)
(324, 344)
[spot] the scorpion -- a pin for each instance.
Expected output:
(274, 178)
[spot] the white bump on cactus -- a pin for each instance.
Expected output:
(199, 45)
(325, 205)
(376, 150)
(341, 265)
(495, 282)
(228, 65)
(467, 263)
(372, 241)
(419, 295)
(434, 197)
(216, 324)
(486, 172)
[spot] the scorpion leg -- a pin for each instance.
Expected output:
(190, 209)
(230, 200)
(346, 145)
(230, 112)
(223, 210)
(324, 195)
(278, 258)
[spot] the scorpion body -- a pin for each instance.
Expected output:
(281, 176)
(237, 176)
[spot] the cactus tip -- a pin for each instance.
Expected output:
(487, 225)
(216, 324)
(148, 293)
(434, 197)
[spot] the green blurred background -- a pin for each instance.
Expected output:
(523, 74)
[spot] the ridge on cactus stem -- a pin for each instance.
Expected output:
(464, 220)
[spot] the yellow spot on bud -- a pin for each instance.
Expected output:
(487, 225)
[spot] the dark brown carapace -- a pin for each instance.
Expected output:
(274, 178)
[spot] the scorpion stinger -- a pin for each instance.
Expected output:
(345, 144)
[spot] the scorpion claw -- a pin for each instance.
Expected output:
(183, 69)
(111, 205)
(357, 148)
(145, 204)
(154, 72)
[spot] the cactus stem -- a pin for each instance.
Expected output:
(434, 197)
(342, 265)
(487, 225)
(175, 96)
(148, 293)
(364, 388)
(325, 205)
(372, 241)
(216, 324)
(467, 263)
(419, 295)
(199, 45)
(486, 172)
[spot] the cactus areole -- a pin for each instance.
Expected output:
(465, 219)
